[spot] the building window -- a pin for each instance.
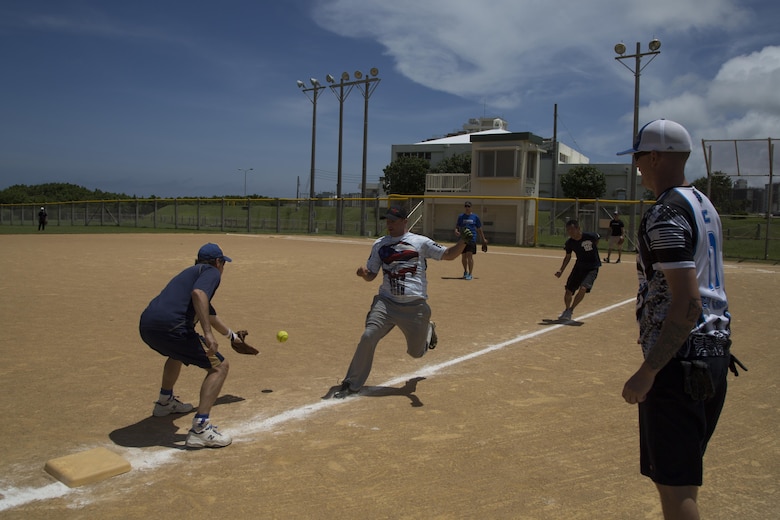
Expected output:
(496, 163)
(563, 158)
(421, 155)
(530, 166)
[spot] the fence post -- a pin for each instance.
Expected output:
(248, 215)
(279, 215)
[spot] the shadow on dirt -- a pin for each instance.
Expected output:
(408, 390)
(159, 431)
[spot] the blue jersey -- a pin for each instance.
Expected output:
(682, 230)
(470, 221)
(173, 308)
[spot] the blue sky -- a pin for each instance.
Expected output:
(173, 97)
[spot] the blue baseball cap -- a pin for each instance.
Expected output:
(212, 252)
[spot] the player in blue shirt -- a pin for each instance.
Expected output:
(167, 325)
(471, 221)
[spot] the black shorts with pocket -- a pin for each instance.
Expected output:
(674, 429)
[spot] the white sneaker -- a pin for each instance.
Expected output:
(172, 406)
(208, 437)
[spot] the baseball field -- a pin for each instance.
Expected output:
(509, 418)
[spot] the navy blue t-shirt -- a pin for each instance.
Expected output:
(173, 308)
(585, 249)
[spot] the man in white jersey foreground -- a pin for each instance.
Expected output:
(401, 256)
(684, 321)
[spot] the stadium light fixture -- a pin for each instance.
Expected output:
(367, 87)
(341, 94)
(620, 50)
(312, 93)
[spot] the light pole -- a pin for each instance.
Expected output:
(245, 170)
(620, 49)
(312, 93)
(341, 94)
(367, 87)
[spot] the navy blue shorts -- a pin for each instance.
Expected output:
(471, 247)
(674, 429)
(181, 344)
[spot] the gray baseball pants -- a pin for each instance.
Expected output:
(412, 318)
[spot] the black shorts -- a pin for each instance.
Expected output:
(181, 344)
(471, 247)
(580, 277)
(674, 429)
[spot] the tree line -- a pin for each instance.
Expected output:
(54, 192)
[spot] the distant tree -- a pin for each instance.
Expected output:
(721, 191)
(584, 182)
(458, 163)
(406, 176)
(53, 192)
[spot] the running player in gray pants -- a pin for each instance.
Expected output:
(402, 298)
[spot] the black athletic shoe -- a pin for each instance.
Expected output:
(434, 338)
(344, 391)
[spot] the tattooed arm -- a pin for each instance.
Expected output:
(684, 310)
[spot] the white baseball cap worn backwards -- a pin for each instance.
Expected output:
(661, 135)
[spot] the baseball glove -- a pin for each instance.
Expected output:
(484, 247)
(466, 235)
(239, 344)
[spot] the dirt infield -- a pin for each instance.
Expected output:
(507, 418)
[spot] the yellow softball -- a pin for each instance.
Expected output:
(282, 336)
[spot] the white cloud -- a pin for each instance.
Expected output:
(749, 83)
(508, 49)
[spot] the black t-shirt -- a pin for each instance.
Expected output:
(616, 227)
(586, 250)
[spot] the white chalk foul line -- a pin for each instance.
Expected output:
(141, 459)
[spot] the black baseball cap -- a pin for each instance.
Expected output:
(395, 212)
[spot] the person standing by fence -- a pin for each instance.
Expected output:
(469, 220)
(43, 219)
(616, 237)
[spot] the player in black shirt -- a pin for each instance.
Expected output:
(586, 267)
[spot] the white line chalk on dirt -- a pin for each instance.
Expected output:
(147, 460)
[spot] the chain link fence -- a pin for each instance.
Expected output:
(526, 221)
